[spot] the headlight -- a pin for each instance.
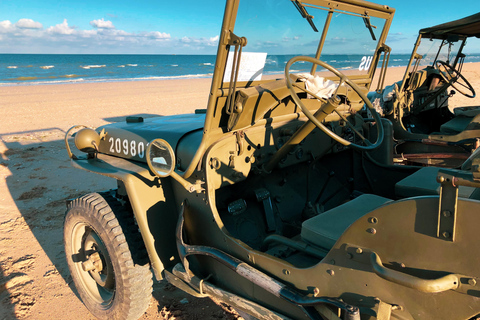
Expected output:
(87, 140)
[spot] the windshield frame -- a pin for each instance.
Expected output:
(458, 30)
(216, 108)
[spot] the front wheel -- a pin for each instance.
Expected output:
(107, 258)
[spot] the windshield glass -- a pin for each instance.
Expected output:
(428, 49)
(278, 29)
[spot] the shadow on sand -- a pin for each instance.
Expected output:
(40, 179)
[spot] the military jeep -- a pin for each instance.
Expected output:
(280, 198)
(429, 130)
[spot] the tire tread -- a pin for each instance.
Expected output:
(118, 227)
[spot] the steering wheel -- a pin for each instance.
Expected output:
(343, 79)
(452, 77)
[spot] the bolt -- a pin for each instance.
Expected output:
(373, 220)
(446, 234)
(472, 282)
(316, 292)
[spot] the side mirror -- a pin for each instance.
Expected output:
(160, 158)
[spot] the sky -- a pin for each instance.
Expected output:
(170, 27)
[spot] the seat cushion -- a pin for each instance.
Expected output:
(424, 182)
(326, 228)
(456, 125)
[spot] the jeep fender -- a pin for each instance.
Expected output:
(152, 202)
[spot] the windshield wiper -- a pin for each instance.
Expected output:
(366, 20)
(305, 14)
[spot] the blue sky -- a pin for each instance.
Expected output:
(157, 27)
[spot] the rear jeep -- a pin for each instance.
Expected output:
(281, 198)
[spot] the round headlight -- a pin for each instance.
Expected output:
(87, 140)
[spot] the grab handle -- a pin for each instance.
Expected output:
(448, 282)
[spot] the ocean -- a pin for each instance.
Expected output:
(34, 69)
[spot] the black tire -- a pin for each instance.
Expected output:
(107, 258)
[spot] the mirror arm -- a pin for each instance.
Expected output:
(190, 187)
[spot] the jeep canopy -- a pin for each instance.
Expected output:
(465, 27)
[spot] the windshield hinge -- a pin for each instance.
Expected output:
(233, 40)
(239, 43)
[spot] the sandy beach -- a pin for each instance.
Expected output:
(36, 177)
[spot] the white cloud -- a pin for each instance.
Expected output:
(6, 26)
(201, 42)
(157, 35)
(186, 40)
(102, 24)
(103, 37)
(28, 24)
(62, 28)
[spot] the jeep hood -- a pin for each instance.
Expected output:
(130, 139)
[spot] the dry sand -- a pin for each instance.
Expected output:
(36, 177)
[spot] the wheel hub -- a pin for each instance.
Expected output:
(94, 263)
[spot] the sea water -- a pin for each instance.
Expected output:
(32, 69)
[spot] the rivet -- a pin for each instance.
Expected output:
(286, 272)
(371, 230)
(446, 234)
(349, 256)
(441, 179)
(332, 262)
(316, 291)
(447, 213)
(359, 250)
(331, 272)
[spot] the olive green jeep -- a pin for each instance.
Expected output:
(280, 198)
(429, 130)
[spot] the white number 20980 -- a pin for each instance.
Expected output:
(126, 147)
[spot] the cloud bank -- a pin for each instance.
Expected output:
(29, 36)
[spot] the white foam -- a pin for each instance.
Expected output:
(93, 66)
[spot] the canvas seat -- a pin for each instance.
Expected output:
(456, 125)
(424, 182)
(466, 118)
(326, 228)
